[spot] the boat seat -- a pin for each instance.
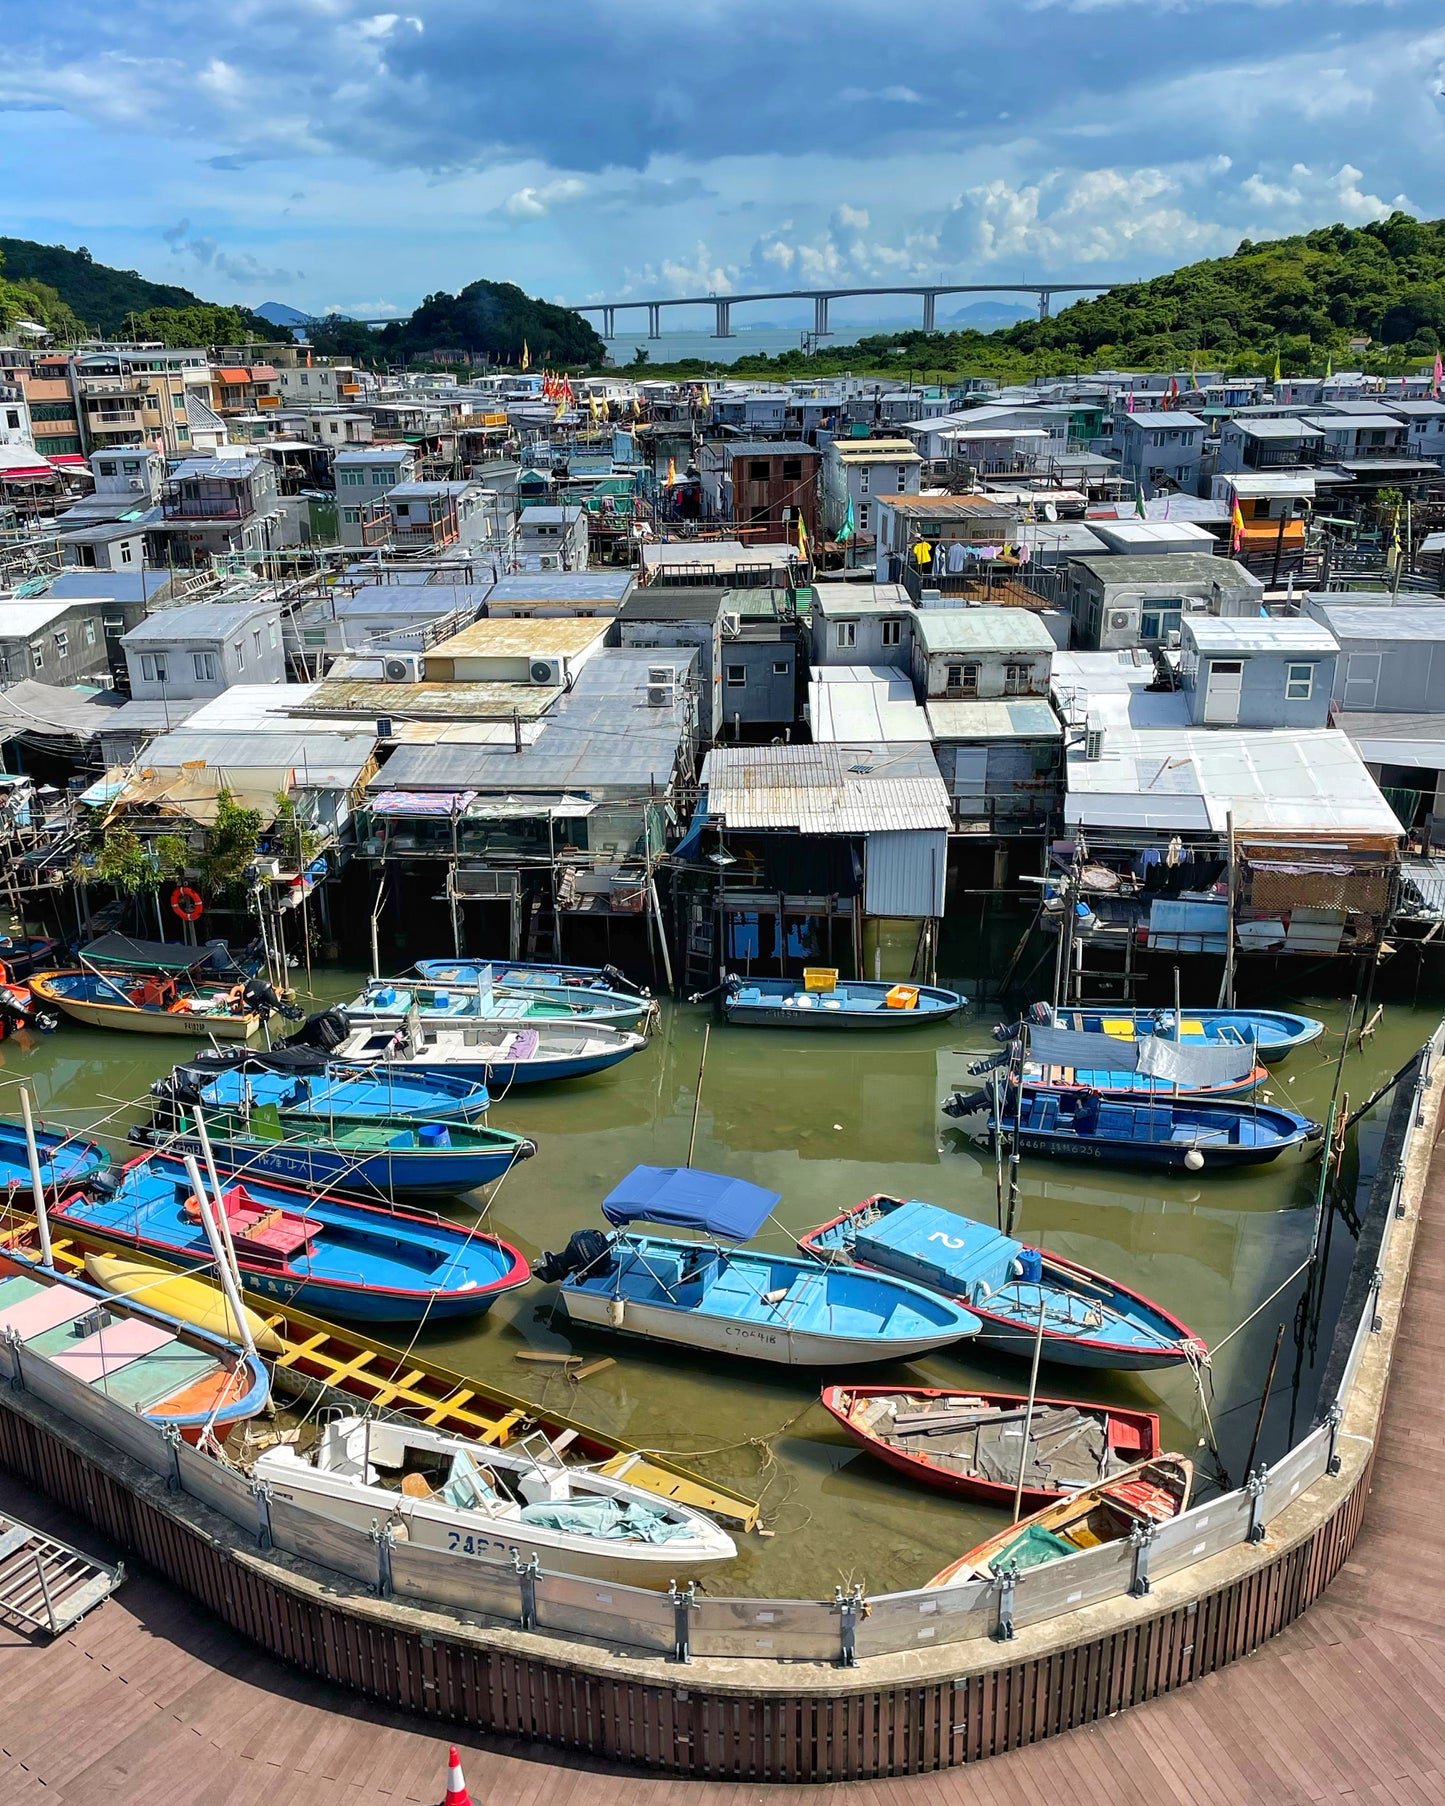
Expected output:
(1047, 1114)
(655, 1273)
(750, 994)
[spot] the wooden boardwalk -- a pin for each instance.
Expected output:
(150, 1701)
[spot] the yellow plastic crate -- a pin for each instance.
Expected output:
(820, 978)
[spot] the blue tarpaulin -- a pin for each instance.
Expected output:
(680, 1197)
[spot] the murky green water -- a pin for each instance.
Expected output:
(827, 1120)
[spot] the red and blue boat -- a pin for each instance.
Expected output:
(1089, 1320)
(332, 1256)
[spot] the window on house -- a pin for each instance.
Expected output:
(792, 470)
(953, 677)
(90, 633)
(780, 667)
(1299, 682)
(902, 478)
(37, 658)
(62, 644)
(737, 674)
(256, 637)
(863, 481)
(964, 679)
(351, 517)
(1159, 623)
(1016, 679)
(240, 651)
(153, 667)
(204, 666)
(891, 633)
(271, 629)
(758, 469)
(845, 635)
(863, 518)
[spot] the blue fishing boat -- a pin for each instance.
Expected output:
(501, 1057)
(1133, 1084)
(23, 954)
(64, 1160)
(375, 1158)
(88, 1354)
(852, 1003)
(715, 1300)
(1089, 1320)
(327, 1254)
(1183, 1134)
(509, 973)
(305, 1085)
(1272, 1035)
(526, 1006)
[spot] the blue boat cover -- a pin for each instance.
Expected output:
(938, 1248)
(681, 1197)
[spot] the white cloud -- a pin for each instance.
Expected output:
(537, 202)
(846, 216)
(895, 94)
(1085, 217)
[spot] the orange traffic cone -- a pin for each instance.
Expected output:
(457, 1794)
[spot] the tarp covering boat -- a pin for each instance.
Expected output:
(155, 956)
(680, 1197)
(1188, 1064)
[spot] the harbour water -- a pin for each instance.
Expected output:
(827, 1121)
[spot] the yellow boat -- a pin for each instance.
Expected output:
(193, 1301)
(153, 1005)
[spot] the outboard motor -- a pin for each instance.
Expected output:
(588, 1252)
(327, 1029)
(619, 981)
(257, 995)
(967, 1103)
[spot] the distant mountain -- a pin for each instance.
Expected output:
(984, 314)
(99, 295)
(279, 314)
(489, 319)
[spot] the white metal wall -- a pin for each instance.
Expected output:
(905, 872)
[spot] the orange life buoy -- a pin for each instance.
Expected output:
(187, 904)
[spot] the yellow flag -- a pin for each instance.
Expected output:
(802, 539)
(671, 470)
(1276, 366)
(706, 398)
(526, 356)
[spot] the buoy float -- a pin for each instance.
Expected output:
(457, 1794)
(187, 904)
(616, 1311)
(1194, 1160)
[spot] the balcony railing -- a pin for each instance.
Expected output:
(205, 507)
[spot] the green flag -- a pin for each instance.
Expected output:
(1139, 507)
(1276, 366)
(845, 532)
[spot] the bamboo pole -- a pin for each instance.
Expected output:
(1029, 1414)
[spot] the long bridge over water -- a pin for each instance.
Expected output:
(928, 293)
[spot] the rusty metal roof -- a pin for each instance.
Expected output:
(843, 788)
(364, 697)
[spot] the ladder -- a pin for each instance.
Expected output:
(46, 1585)
(700, 952)
(541, 928)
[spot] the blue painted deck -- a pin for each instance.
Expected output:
(64, 1161)
(523, 1006)
(365, 1262)
(1080, 1125)
(1089, 1320)
(1272, 1033)
(855, 1003)
(345, 1096)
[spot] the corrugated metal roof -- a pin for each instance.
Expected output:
(364, 697)
(252, 708)
(1384, 621)
(837, 789)
(321, 760)
(521, 639)
(196, 621)
(563, 586)
(1309, 781)
(1246, 634)
(981, 630)
(1021, 719)
(1249, 483)
(856, 703)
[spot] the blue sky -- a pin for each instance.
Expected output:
(328, 154)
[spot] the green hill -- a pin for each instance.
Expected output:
(486, 319)
(1302, 299)
(102, 299)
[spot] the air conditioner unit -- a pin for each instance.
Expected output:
(661, 696)
(661, 674)
(134, 483)
(549, 561)
(732, 624)
(1118, 619)
(1094, 740)
(1171, 639)
(403, 667)
(546, 671)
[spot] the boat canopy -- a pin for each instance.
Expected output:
(680, 1197)
(154, 956)
(1181, 1062)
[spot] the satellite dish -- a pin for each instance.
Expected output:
(1050, 511)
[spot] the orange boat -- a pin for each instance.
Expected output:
(1149, 1492)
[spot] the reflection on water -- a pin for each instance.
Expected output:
(826, 1120)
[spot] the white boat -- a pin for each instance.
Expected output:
(481, 1503)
